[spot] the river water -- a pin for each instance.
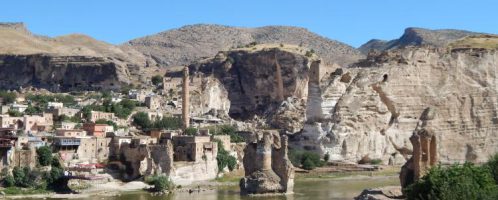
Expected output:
(305, 188)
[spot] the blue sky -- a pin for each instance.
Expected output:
(351, 21)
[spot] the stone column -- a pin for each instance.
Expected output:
(280, 83)
(415, 140)
(185, 101)
(433, 151)
(264, 152)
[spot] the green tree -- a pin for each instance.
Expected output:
(8, 97)
(308, 164)
(157, 79)
(14, 113)
(142, 120)
(492, 165)
(455, 182)
(44, 155)
(9, 181)
(224, 158)
(108, 122)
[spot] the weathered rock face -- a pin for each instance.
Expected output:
(267, 168)
(60, 73)
(252, 84)
(146, 160)
(372, 109)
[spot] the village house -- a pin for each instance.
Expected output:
(7, 121)
(54, 105)
(97, 130)
(153, 102)
(36, 123)
(70, 112)
(70, 133)
(18, 107)
(96, 115)
(68, 125)
(138, 95)
(193, 148)
(4, 109)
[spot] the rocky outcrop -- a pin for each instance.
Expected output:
(70, 62)
(247, 79)
(417, 37)
(190, 43)
(61, 73)
(267, 168)
(373, 108)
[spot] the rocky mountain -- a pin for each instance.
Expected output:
(27, 59)
(190, 43)
(417, 37)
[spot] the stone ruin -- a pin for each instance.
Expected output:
(424, 155)
(268, 170)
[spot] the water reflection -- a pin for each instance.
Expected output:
(316, 189)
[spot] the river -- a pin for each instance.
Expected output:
(305, 188)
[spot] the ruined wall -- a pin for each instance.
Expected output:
(372, 109)
(60, 73)
(143, 160)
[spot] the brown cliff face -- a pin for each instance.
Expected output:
(60, 73)
(251, 80)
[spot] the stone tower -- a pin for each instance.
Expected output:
(185, 101)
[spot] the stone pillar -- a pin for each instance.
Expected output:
(185, 101)
(264, 152)
(433, 151)
(416, 158)
(280, 83)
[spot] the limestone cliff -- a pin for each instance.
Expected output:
(372, 108)
(247, 86)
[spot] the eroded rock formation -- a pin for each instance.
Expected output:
(424, 142)
(372, 109)
(267, 168)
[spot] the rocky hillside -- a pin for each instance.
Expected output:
(417, 37)
(26, 56)
(190, 43)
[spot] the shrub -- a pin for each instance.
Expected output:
(492, 165)
(9, 181)
(300, 158)
(44, 155)
(376, 161)
(326, 157)
(14, 113)
(157, 79)
(161, 183)
(142, 119)
(190, 131)
(224, 158)
(226, 129)
(455, 182)
(309, 53)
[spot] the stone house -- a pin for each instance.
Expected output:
(7, 121)
(70, 112)
(82, 149)
(96, 115)
(37, 123)
(194, 148)
(171, 84)
(153, 102)
(97, 130)
(138, 95)
(70, 133)
(4, 109)
(68, 125)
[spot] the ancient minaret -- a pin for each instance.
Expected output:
(185, 102)
(280, 83)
